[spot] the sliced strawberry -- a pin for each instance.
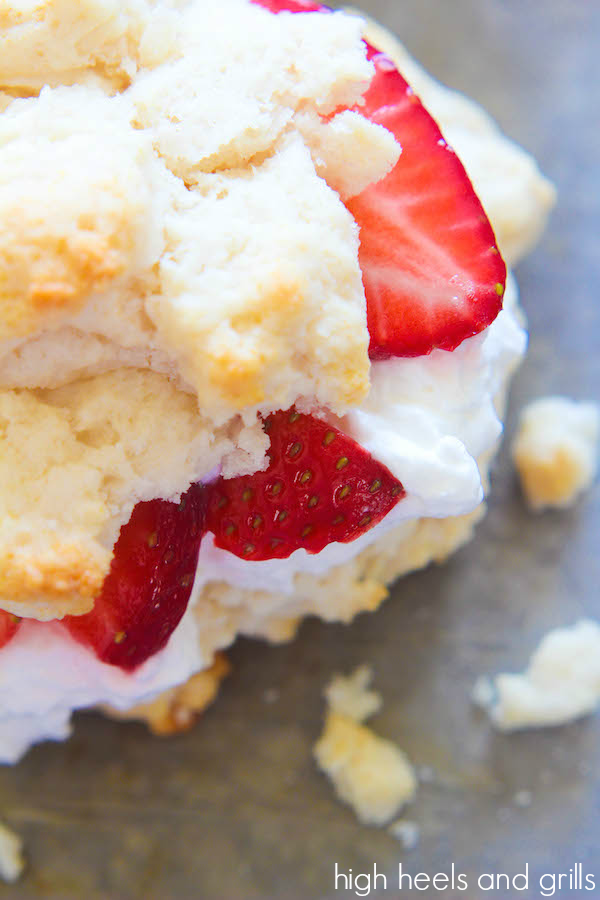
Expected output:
(432, 272)
(320, 487)
(148, 587)
(9, 625)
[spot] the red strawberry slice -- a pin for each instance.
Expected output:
(432, 272)
(148, 587)
(321, 486)
(9, 625)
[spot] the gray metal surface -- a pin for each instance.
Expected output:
(236, 809)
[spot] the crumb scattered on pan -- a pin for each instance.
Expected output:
(369, 773)
(426, 774)
(11, 855)
(484, 692)
(350, 695)
(523, 799)
(561, 683)
(407, 832)
(556, 450)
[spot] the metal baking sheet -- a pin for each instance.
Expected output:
(235, 809)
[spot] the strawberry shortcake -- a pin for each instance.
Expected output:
(256, 333)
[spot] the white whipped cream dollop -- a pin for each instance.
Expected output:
(428, 419)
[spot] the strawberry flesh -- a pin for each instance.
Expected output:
(9, 625)
(432, 272)
(149, 584)
(320, 486)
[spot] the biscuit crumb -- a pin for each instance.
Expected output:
(426, 775)
(561, 683)
(523, 799)
(556, 451)
(350, 696)
(12, 862)
(369, 773)
(407, 832)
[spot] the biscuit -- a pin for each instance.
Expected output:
(176, 261)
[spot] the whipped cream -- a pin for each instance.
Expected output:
(428, 419)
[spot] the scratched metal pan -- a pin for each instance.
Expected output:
(235, 809)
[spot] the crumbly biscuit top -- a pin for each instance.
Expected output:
(175, 202)
(76, 203)
(174, 252)
(67, 41)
